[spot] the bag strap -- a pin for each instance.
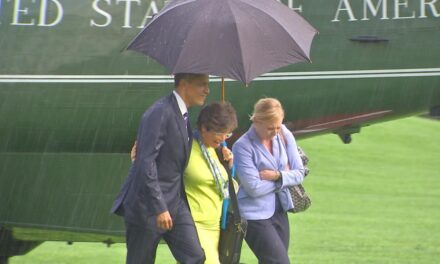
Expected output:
(232, 201)
(233, 197)
(283, 139)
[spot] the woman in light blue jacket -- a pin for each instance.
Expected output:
(267, 160)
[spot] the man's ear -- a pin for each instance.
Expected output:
(183, 83)
(182, 86)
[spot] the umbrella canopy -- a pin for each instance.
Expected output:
(237, 39)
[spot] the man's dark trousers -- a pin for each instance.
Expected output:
(155, 185)
(181, 239)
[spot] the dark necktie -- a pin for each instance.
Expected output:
(187, 125)
(186, 119)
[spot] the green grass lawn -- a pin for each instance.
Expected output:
(376, 200)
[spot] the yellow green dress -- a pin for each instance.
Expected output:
(204, 200)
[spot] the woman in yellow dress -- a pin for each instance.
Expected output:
(205, 178)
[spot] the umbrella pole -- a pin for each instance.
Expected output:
(223, 89)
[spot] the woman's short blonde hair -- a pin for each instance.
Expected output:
(267, 109)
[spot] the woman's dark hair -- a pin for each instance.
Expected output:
(218, 116)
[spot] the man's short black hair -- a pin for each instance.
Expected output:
(186, 76)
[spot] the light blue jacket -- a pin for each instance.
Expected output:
(256, 197)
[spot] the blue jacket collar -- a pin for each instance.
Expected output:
(256, 141)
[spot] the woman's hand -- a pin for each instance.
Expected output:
(228, 156)
(133, 152)
(270, 175)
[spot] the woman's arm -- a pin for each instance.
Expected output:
(295, 174)
(248, 173)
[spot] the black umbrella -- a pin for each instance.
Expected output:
(237, 39)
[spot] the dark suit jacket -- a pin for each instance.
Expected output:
(154, 182)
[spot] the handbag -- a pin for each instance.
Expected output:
(231, 237)
(301, 201)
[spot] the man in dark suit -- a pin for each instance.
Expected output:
(152, 200)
